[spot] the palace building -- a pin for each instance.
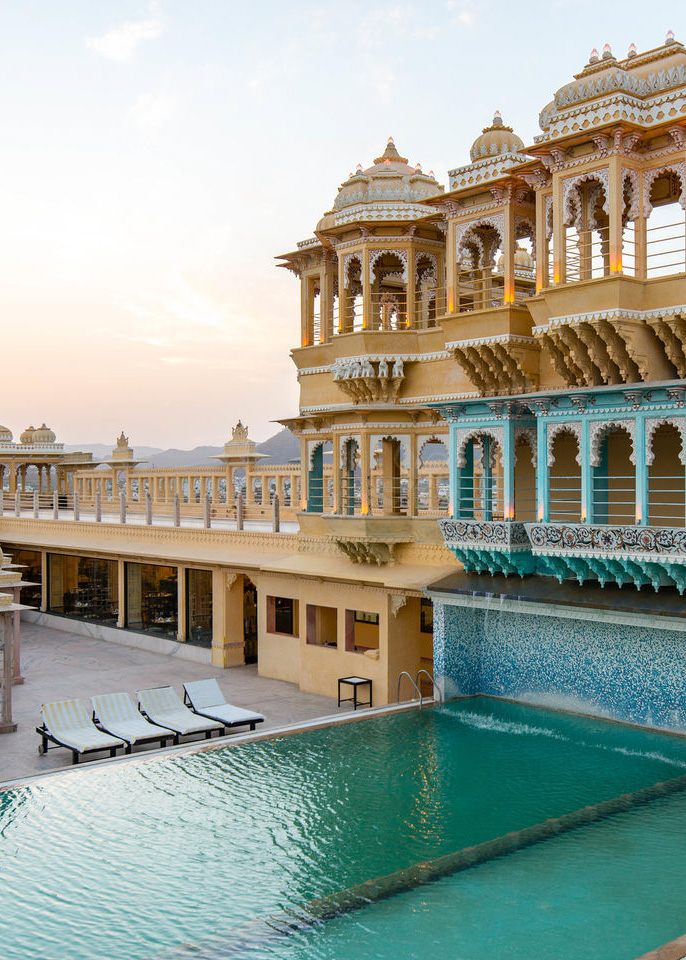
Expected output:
(492, 425)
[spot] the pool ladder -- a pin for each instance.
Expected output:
(415, 684)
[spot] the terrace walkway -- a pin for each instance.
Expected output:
(59, 665)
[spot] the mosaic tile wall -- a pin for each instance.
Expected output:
(629, 673)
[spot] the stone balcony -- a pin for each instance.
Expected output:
(602, 553)
(496, 546)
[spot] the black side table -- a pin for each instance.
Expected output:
(355, 683)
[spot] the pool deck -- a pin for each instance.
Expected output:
(60, 665)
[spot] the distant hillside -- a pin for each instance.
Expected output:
(281, 448)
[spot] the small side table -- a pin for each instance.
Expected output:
(355, 683)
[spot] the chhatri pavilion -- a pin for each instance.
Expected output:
(492, 427)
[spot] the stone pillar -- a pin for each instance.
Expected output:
(148, 509)
(122, 508)
(121, 594)
(55, 506)
(326, 280)
(17, 504)
(36, 505)
(177, 510)
(365, 473)
(336, 442)
(559, 234)
(542, 277)
(509, 244)
(367, 301)
(410, 288)
(12, 482)
(451, 291)
(640, 236)
(43, 581)
(642, 508)
(227, 619)
(412, 474)
(342, 295)
(542, 472)
(7, 725)
(508, 469)
(276, 521)
(206, 511)
(239, 511)
(586, 473)
(616, 208)
(77, 512)
(181, 635)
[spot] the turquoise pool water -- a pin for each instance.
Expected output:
(136, 859)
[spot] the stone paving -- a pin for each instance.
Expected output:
(60, 665)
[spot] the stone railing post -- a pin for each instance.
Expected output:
(7, 725)
(55, 506)
(148, 509)
(36, 506)
(122, 507)
(17, 504)
(77, 513)
(276, 521)
(239, 512)
(2, 502)
(206, 511)
(98, 507)
(177, 510)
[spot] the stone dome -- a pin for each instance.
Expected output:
(44, 435)
(494, 140)
(522, 260)
(390, 189)
(5, 434)
(27, 435)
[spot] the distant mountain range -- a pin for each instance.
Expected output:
(283, 447)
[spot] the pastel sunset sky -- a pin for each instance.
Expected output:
(156, 156)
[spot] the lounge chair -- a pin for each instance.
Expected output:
(206, 699)
(163, 706)
(117, 714)
(66, 723)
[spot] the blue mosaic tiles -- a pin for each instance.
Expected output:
(625, 672)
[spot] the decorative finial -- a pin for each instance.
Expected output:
(594, 56)
(497, 119)
(432, 174)
(670, 37)
(358, 168)
(418, 168)
(607, 52)
(391, 140)
(632, 50)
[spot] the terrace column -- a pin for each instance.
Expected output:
(508, 468)
(336, 476)
(410, 288)
(326, 281)
(615, 207)
(365, 472)
(587, 512)
(559, 234)
(642, 507)
(181, 605)
(542, 471)
(454, 471)
(487, 480)
(542, 278)
(121, 594)
(412, 477)
(367, 308)
(508, 254)
(227, 619)
(342, 295)
(640, 238)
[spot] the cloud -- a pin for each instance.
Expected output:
(120, 43)
(152, 111)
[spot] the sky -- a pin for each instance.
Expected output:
(156, 155)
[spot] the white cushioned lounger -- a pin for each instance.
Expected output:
(163, 706)
(206, 698)
(119, 715)
(67, 723)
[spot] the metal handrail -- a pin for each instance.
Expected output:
(437, 692)
(404, 673)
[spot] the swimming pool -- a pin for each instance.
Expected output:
(140, 858)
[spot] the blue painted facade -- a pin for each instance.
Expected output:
(629, 673)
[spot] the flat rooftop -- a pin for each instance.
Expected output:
(536, 589)
(61, 665)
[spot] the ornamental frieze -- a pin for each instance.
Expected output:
(560, 537)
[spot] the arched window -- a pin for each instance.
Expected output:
(587, 232)
(565, 479)
(665, 251)
(524, 480)
(666, 494)
(614, 479)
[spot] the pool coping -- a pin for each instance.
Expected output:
(229, 740)
(673, 950)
